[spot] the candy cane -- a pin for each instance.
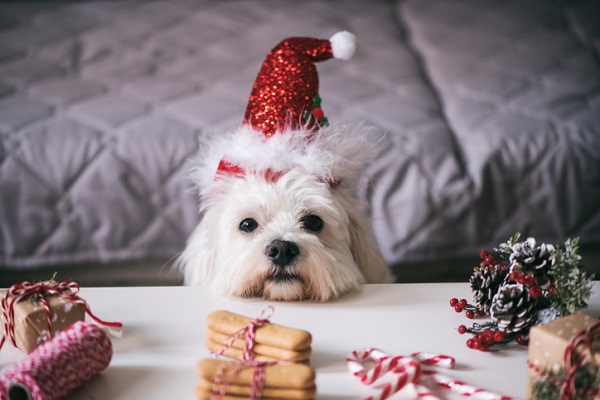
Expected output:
(404, 371)
(439, 360)
(464, 388)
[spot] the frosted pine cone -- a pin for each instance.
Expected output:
(512, 308)
(485, 282)
(529, 258)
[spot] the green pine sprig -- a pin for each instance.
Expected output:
(573, 285)
(505, 249)
(548, 387)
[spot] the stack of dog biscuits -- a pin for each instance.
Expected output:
(272, 342)
(286, 381)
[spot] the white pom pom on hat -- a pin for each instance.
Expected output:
(343, 45)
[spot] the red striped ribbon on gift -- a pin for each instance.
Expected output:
(581, 345)
(24, 290)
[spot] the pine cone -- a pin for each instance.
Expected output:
(512, 308)
(485, 282)
(529, 258)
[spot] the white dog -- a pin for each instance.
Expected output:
(280, 217)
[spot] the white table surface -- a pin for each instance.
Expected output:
(165, 331)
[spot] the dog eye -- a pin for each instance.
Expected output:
(248, 225)
(312, 223)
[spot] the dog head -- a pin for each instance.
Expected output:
(285, 236)
(279, 219)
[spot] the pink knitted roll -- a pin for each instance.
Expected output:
(59, 365)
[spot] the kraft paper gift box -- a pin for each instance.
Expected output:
(30, 319)
(547, 345)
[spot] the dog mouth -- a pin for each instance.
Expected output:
(283, 277)
(282, 284)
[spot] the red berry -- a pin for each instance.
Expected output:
(521, 279)
(551, 290)
(529, 280)
(513, 276)
(453, 302)
(487, 337)
(458, 309)
(470, 343)
(470, 314)
(498, 336)
(318, 113)
(484, 254)
(462, 303)
(476, 344)
(484, 347)
(462, 329)
(535, 292)
(522, 340)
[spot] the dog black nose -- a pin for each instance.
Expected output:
(282, 252)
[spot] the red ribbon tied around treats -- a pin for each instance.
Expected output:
(392, 374)
(581, 345)
(21, 291)
(258, 378)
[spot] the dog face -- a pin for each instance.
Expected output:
(290, 238)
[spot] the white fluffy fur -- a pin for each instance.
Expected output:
(333, 261)
(338, 152)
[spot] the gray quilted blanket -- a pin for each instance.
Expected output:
(491, 108)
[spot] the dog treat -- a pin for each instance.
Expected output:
(202, 395)
(238, 354)
(283, 376)
(206, 395)
(217, 341)
(274, 335)
(205, 387)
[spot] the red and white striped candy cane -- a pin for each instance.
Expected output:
(464, 388)
(395, 373)
(438, 360)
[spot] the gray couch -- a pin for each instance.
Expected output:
(491, 108)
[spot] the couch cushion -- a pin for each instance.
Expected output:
(518, 83)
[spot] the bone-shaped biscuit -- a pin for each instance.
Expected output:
(216, 341)
(268, 333)
(282, 375)
(205, 387)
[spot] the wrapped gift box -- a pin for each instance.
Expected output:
(30, 319)
(548, 343)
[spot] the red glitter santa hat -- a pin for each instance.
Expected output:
(284, 126)
(285, 93)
